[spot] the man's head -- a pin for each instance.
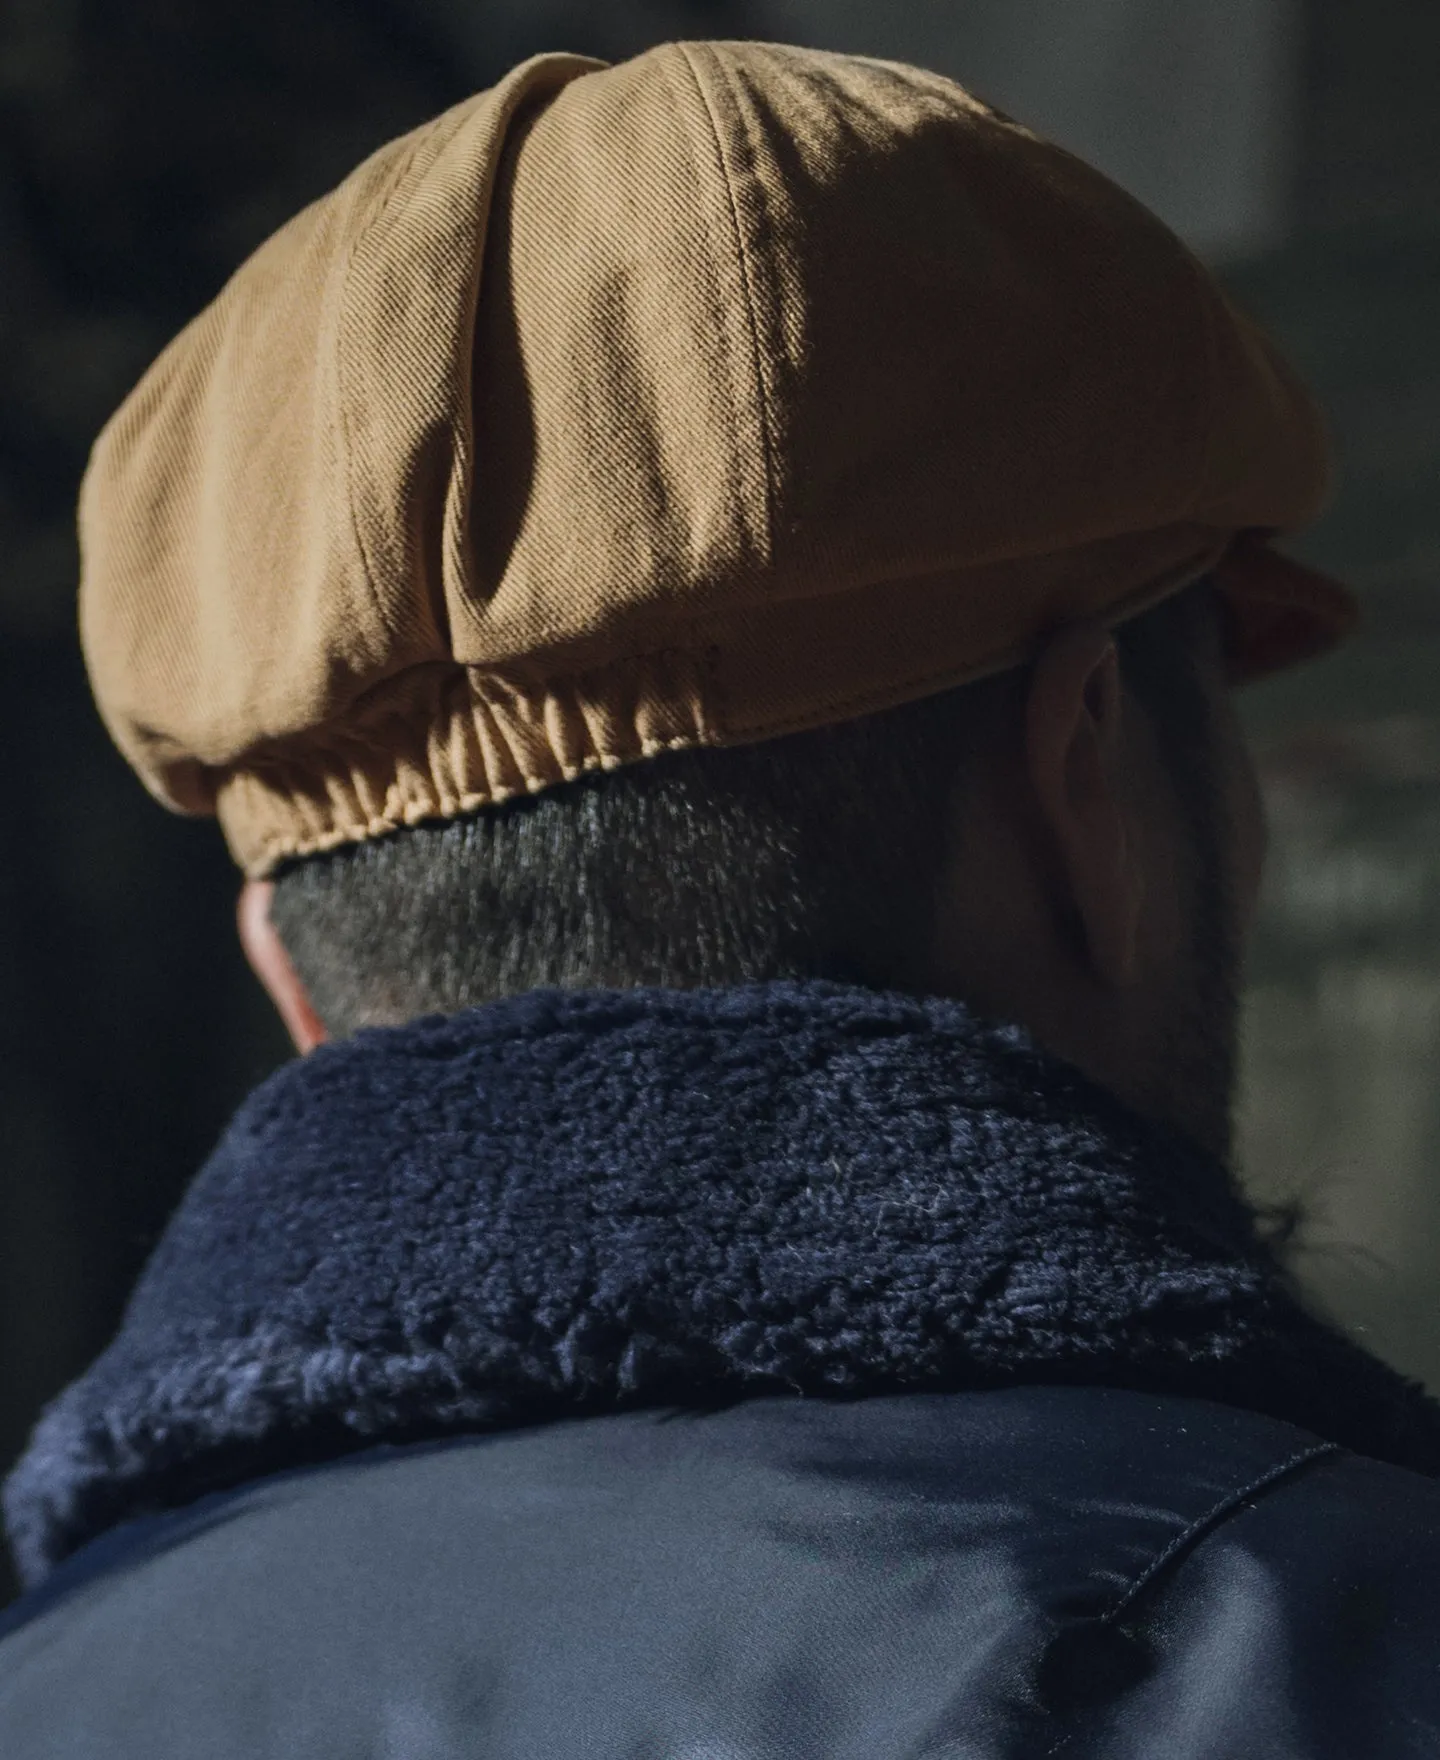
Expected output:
(1073, 845)
(661, 524)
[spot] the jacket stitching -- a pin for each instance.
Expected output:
(1212, 1519)
(1199, 1530)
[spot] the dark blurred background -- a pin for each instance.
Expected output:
(147, 145)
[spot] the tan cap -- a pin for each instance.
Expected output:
(733, 390)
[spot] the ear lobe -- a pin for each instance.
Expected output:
(1074, 753)
(271, 965)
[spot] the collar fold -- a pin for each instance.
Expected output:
(573, 1201)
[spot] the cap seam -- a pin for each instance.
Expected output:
(847, 708)
(706, 656)
(702, 648)
(528, 99)
(500, 670)
(342, 355)
(437, 141)
(747, 281)
(267, 757)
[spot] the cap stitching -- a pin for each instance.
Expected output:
(735, 424)
(437, 138)
(367, 564)
(747, 280)
(882, 696)
(277, 847)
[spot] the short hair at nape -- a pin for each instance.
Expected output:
(816, 854)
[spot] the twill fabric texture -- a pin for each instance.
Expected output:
(730, 391)
(785, 1371)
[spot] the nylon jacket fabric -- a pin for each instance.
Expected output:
(1070, 1573)
(730, 391)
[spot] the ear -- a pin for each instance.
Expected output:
(271, 965)
(1074, 749)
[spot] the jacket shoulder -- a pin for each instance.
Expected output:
(1027, 1572)
(1299, 1619)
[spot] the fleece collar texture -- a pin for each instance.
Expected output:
(579, 1201)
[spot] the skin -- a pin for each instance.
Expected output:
(1079, 912)
(1082, 918)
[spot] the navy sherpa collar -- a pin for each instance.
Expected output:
(571, 1201)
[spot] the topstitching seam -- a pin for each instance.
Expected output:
(1211, 1520)
(1194, 1534)
(747, 281)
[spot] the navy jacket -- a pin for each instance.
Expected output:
(774, 1373)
